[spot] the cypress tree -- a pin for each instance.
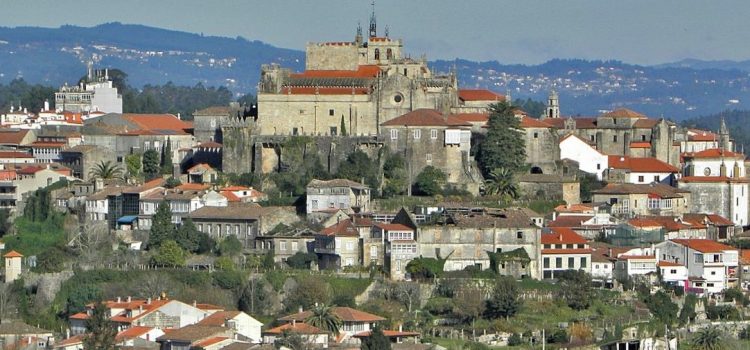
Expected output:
(504, 145)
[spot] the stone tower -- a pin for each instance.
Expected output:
(553, 105)
(373, 24)
(724, 139)
(12, 266)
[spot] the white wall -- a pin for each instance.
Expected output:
(588, 158)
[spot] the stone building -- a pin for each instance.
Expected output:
(13, 261)
(644, 199)
(96, 93)
(427, 137)
(338, 246)
(82, 159)
(470, 239)
(286, 242)
(333, 195)
(718, 181)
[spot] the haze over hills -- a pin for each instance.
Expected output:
(53, 56)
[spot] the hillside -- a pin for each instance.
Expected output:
(52, 56)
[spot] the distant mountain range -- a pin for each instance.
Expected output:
(679, 90)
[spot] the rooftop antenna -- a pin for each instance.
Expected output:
(373, 25)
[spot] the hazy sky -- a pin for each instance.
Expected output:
(520, 31)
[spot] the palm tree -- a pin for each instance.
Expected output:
(106, 170)
(324, 318)
(501, 182)
(709, 338)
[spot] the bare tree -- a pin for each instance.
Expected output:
(406, 292)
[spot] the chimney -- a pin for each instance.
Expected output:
(67, 333)
(118, 299)
(609, 252)
(195, 303)
(129, 298)
(300, 309)
(148, 301)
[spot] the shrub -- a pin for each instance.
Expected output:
(515, 339)
(228, 279)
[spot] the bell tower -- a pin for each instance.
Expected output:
(553, 105)
(373, 23)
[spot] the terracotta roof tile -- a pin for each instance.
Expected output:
(13, 254)
(714, 153)
(701, 135)
(562, 235)
(393, 227)
(711, 179)
(213, 111)
(641, 165)
(473, 117)
(157, 121)
(132, 332)
(363, 71)
(341, 229)
(296, 327)
(623, 113)
(714, 219)
(324, 90)
(346, 314)
(425, 117)
(640, 145)
(12, 137)
(479, 95)
(529, 122)
(661, 190)
(315, 183)
(665, 263)
(193, 333)
(703, 245)
(569, 220)
(218, 318)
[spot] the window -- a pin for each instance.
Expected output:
(598, 166)
(394, 134)
(388, 54)
(417, 134)
(282, 245)
(295, 246)
(643, 137)
(583, 263)
(673, 271)
(314, 204)
(519, 235)
(546, 263)
(373, 251)
(295, 132)
(433, 134)
(398, 98)
(640, 178)
(536, 135)
(558, 263)
(429, 158)
(596, 266)
(349, 246)
(614, 138)
(333, 131)
(571, 262)
(331, 112)
(377, 54)
(656, 178)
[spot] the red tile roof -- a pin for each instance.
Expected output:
(200, 166)
(393, 227)
(346, 314)
(296, 327)
(473, 117)
(745, 256)
(703, 219)
(324, 90)
(701, 135)
(12, 137)
(235, 188)
(13, 254)
(529, 122)
(713, 153)
(665, 263)
(645, 123)
(425, 117)
(569, 220)
(623, 113)
(574, 208)
(567, 251)
(343, 228)
(157, 121)
(640, 145)
(562, 235)
(218, 318)
(641, 222)
(636, 257)
(641, 165)
(703, 245)
(363, 71)
(76, 339)
(581, 123)
(479, 95)
(210, 341)
(193, 187)
(230, 196)
(132, 332)
(12, 154)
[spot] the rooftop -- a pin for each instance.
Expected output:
(703, 245)
(641, 165)
(346, 314)
(426, 117)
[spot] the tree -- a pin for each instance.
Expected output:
(166, 158)
(230, 246)
(558, 337)
(101, 331)
(469, 304)
(709, 338)
(343, 126)
(515, 340)
(291, 340)
(301, 260)
(430, 181)
(504, 146)
(172, 182)
(106, 170)
(688, 314)
(357, 166)
(192, 240)
(169, 254)
(253, 296)
(505, 299)
(162, 227)
(150, 164)
(662, 308)
(425, 268)
(377, 340)
(324, 318)
(502, 182)
(310, 291)
(575, 289)
(5, 224)
(394, 175)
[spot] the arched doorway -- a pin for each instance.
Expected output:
(536, 170)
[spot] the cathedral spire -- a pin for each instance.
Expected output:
(373, 24)
(724, 139)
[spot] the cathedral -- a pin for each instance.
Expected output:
(354, 87)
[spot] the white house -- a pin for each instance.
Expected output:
(673, 273)
(353, 321)
(240, 322)
(711, 266)
(562, 250)
(640, 170)
(589, 159)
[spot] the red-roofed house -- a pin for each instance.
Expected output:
(427, 137)
(673, 273)
(563, 249)
(640, 170)
(718, 228)
(240, 322)
(711, 266)
(400, 247)
(476, 100)
(138, 335)
(243, 194)
(699, 140)
(353, 321)
(337, 246)
(311, 334)
(202, 173)
(718, 178)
